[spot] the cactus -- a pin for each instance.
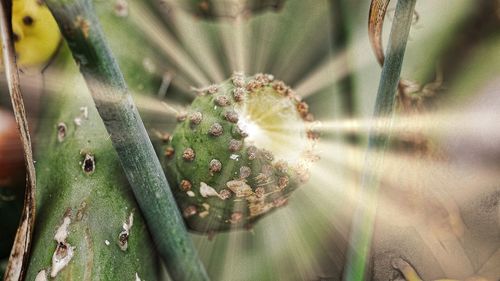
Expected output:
(89, 226)
(238, 152)
(212, 9)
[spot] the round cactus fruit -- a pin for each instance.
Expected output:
(244, 146)
(212, 9)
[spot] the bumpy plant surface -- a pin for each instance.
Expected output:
(238, 152)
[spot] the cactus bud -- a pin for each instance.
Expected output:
(231, 116)
(249, 148)
(216, 130)
(215, 166)
(185, 185)
(195, 118)
(188, 154)
(222, 101)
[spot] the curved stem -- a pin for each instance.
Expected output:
(20, 251)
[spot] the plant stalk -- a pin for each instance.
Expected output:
(82, 31)
(364, 216)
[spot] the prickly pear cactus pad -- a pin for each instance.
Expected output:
(238, 152)
(89, 226)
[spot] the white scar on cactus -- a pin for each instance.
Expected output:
(84, 115)
(64, 251)
(240, 188)
(62, 231)
(206, 212)
(125, 233)
(41, 276)
(206, 191)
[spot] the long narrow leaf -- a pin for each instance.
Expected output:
(362, 228)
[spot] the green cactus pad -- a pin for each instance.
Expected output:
(89, 226)
(238, 152)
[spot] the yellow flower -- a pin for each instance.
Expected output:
(36, 33)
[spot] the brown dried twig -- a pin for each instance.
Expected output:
(378, 9)
(20, 251)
